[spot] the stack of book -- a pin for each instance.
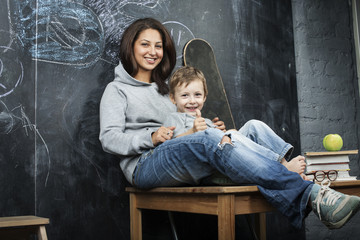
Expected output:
(325, 161)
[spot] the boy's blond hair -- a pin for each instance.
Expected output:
(186, 75)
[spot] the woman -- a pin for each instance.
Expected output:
(135, 105)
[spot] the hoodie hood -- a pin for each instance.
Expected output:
(121, 75)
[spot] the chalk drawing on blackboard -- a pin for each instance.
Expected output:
(63, 32)
(117, 15)
(7, 119)
(10, 120)
(140, 9)
(180, 33)
(28, 126)
(257, 2)
(11, 71)
(32, 127)
(9, 33)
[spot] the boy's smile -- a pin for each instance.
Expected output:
(189, 98)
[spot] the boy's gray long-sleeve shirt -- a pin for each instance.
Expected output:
(183, 122)
(130, 111)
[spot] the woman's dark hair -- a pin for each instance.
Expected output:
(167, 64)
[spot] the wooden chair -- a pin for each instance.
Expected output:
(19, 227)
(223, 201)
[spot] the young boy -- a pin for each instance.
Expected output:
(188, 91)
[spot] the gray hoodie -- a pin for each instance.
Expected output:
(130, 111)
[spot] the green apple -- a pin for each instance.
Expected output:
(333, 142)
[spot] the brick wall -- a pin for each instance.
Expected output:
(327, 88)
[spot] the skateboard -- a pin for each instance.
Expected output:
(198, 53)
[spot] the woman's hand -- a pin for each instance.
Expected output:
(162, 134)
(219, 124)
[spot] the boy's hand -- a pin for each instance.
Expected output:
(219, 124)
(199, 122)
(162, 134)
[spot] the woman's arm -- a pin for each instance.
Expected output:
(112, 136)
(219, 124)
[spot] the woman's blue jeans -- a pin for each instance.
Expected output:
(253, 157)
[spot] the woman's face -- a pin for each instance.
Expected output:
(148, 50)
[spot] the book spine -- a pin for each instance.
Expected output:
(338, 167)
(330, 163)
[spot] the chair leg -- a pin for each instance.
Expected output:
(42, 233)
(260, 221)
(135, 219)
(226, 217)
(172, 223)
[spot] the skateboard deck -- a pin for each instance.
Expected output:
(199, 54)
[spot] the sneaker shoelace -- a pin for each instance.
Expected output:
(327, 193)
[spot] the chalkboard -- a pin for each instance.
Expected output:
(56, 57)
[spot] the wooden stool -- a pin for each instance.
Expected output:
(225, 202)
(13, 227)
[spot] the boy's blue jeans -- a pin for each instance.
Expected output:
(253, 157)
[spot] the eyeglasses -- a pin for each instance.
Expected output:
(320, 175)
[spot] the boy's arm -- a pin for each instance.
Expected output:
(199, 125)
(188, 132)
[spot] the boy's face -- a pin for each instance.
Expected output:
(189, 98)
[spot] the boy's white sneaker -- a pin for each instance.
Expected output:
(333, 208)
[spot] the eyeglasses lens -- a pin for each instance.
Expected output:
(332, 175)
(319, 176)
